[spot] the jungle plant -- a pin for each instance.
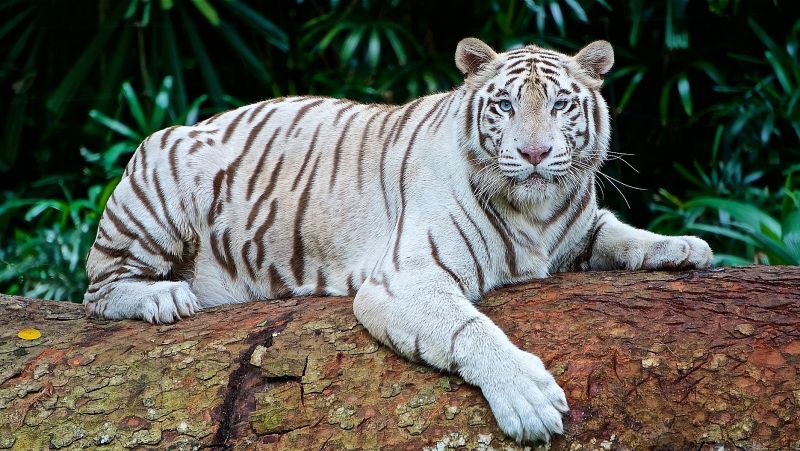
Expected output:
(46, 255)
(732, 201)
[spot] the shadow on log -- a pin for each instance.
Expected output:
(647, 359)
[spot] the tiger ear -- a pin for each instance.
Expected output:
(471, 54)
(596, 59)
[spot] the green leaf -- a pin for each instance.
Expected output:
(134, 105)
(374, 49)
(723, 232)
(628, 94)
(145, 20)
(783, 79)
(762, 35)
(688, 175)
(193, 112)
(636, 7)
(767, 128)
(685, 93)
(712, 72)
(350, 44)
(580, 14)
(43, 205)
(746, 213)
(397, 46)
(115, 125)
(676, 35)
(332, 33)
(730, 260)
(717, 140)
(273, 34)
(604, 4)
(161, 106)
(663, 103)
(558, 17)
(10, 24)
(110, 157)
(208, 11)
(131, 10)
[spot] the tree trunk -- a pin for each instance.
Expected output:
(670, 360)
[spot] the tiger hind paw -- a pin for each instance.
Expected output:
(161, 302)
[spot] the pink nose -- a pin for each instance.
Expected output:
(535, 154)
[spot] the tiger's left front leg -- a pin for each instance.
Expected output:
(423, 315)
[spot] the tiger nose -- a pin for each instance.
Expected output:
(535, 154)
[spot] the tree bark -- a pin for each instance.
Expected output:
(668, 360)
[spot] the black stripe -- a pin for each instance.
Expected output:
(437, 259)
(337, 152)
(478, 267)
(309, 151)
(302, 111)
(251, 183)
(232, 126)
(273, 179)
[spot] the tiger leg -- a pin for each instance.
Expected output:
(434, 323)
(144, 249)
(616, 245)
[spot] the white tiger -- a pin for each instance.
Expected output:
(417, 210)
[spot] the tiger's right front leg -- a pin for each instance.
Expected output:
(433, 322)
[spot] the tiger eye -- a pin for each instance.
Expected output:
(505, 105)
(560, 105)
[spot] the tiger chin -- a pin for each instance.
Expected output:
(417, 210)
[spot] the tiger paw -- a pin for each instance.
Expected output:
(681, 252)
(525, 399)
(161, 302)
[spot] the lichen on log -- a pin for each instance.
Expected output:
(670, 360)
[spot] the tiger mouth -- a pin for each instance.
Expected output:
(536, 180)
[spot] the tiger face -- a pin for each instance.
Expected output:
(535, 116)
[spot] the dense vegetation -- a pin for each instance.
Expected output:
(705, 98)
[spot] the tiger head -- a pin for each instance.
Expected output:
(534, 122)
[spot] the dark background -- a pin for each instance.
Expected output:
(705, 95)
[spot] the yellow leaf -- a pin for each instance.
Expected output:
(29, 333)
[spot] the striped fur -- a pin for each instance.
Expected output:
(417, 210)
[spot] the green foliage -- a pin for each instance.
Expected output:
(757, 140)
(46, 256)
(747, 231)
(154, 38)
(48, 260)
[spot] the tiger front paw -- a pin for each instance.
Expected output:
(679, 252)
(525, 399)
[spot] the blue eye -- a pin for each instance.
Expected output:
(560, 105)
(505, 105)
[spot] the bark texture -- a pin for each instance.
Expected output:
(669, 360)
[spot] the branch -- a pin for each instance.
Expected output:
(648, 359)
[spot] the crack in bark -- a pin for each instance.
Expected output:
(234, 398)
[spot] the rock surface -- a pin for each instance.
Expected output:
(669, 360)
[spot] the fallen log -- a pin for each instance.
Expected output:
(668, 360)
